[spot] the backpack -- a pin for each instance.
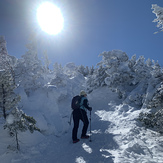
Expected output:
(75, 104)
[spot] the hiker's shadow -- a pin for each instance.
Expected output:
(104, 140)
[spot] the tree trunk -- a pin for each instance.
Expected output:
(4, 101)
(17, 141)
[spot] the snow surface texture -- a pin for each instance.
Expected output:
(116, 135)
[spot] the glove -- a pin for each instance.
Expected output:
(90, 109)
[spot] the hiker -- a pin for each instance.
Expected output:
(81, 114)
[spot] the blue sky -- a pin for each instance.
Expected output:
(90, 27)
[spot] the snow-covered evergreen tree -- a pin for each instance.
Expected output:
(134, 80)
(6, 62)
(138, 82)
(29, 69)
(57, 68)
(58, 78)
(116, 64)
(91, 70)
(84, 70)
(17, 121)
(70, 69)
(158, 11)
(46, 61)
(8, 98)
(96, 78)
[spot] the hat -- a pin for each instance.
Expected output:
(82, 93)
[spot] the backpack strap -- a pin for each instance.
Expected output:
(82, 103)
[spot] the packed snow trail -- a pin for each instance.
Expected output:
(62, 150)
(116, 137)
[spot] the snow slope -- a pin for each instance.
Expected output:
(116, 135)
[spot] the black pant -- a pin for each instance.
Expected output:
(79, 114)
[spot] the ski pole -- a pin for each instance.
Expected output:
(70, 118)
(90, 128)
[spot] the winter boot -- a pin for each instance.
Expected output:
(85, 137)
(75, 141)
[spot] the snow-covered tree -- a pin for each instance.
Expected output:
(46, 60)
(154, 100)
(17, 121)
(118, 73)
(158, 11)
(91, 70)
(58, 68)
(29, 69)
(8, 98)
(138, 82)
(59, 80)
(83, 70)
(70, 69)
(96, 79)
(134, 80)
(6, 62)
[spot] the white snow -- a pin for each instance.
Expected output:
(116, 134)
(10, 119)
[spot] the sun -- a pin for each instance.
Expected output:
(50, 18)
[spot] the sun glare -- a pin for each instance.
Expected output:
(50, 18)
